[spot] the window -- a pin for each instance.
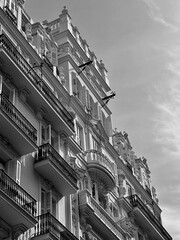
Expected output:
(79, 135)
(113, 210)
(18, 172)
(129, 190)
(45, 134)
(8, 92)
(96, 144)
(48, 202)
(11, 5)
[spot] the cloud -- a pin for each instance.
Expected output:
(155, 12)
(171, 220)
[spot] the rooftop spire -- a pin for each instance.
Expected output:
(64, 11)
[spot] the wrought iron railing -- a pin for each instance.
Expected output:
(10, 14)
(36, 80)
(100, 158)
(18, 119)
(17, 193)
(47, 223)
(137, 202)
(86, 198)
(46, 151)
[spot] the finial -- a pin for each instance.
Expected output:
(65, 11)
(101, 63)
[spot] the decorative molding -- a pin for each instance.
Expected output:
(6, 147)
(128, 226)
(23, 94)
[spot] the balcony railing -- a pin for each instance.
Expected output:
(92, 207)
(100, 158)
(46, 151)
(17, 194)
(10, 14)
(36, 80)
(106, 219)
(137, 202)
(47, 223)
(18, 119)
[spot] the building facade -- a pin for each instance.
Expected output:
(64, 172)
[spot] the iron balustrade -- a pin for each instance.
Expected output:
(47, 223)
(17, 193)
(137, 202)
(10, 14)
(36, 80)
(18, 119)
(85, 198)
(97, 156)
(49, 64)
(46, 151)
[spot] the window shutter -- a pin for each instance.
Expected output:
(54, 56)
(88, 106)
(74, 83)
(18, 172)
(100, 113)
(108, 126)
(91, 104)
(83, 96)
(95, 111)
(79, 90)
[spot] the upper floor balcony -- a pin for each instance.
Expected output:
(10, 14)
(16, 128)
(98, 218)
(42, 95)
(17, 206)
(50, 165)
(145, 217)
(49, 227)
(101, 169)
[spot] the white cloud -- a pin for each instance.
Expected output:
(171, 220)
(157, 15)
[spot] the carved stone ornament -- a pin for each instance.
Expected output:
(18, 230)
(7, 148)
(23, 94)
(128, 226)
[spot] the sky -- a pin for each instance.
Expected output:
(139, 43)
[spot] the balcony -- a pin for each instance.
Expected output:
(42, 95)
(17, 206)
(101, 169)
(10, 15)
(98, 218)
(144, 217)
(50, 165)
(49, 227)
(16, 128)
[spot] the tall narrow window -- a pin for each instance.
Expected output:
(96, 144)
(45, 201)
(13, 6)
(79, 135)
(18, 172)
(46, 134)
